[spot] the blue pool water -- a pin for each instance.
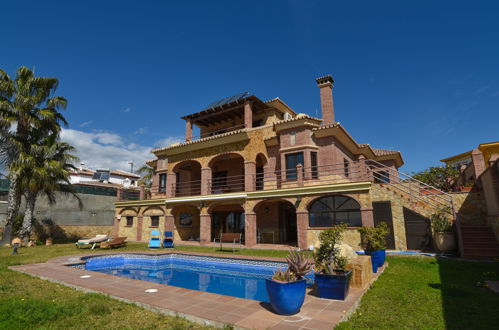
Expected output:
(231, 277)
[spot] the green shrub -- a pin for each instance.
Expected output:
(441, 221)
(327, 257)
(374, 238)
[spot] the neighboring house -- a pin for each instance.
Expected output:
(277, 177)
(480, 168)
(114, 177)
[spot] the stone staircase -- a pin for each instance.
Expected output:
(479, 242)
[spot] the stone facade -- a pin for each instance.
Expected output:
(264, 163)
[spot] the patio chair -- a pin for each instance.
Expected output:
(155, 240)
(115, 242)
(91, 241)
(228, 238)
(168, 240)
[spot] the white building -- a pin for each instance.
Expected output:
(104, 176)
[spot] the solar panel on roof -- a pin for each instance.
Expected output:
(227, 100)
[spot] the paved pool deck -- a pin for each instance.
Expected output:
(201, 307)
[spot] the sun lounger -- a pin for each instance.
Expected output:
(168, 240)
(115, 242)
(155, 240)
(91, 241)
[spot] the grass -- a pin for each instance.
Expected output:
(429, 293)
(416, 293)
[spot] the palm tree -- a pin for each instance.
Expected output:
(147, 174)
(42, 167)
(26, 103)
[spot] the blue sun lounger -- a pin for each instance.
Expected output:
(155, 240)
(168, 240)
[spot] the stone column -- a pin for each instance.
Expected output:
(248, 115)
(367, 217)
(250, 229)
(478, 163)
(169, 222)
(171, 180)
(116, 226)
(299, 175)
(188, 130)
(155, 184)
(142, 194)
(301, 227)
(206, 181)
(362, 170)
(308, 165)
(205, 228)
(249, 176)
(139, 227)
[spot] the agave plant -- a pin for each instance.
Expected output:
(284, 276)
(298, 263)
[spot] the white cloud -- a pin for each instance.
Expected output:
(141, 130)
(106, 150)
(127, 109)
(86, 123)
(165, 142)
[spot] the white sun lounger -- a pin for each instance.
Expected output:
(94, 241)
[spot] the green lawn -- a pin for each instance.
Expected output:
(429, 293)
(413, 293)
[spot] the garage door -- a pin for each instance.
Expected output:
(417, 231)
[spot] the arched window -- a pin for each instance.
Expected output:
(333, 210)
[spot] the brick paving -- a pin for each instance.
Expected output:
(198, 306)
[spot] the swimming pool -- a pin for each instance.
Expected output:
(240, 278)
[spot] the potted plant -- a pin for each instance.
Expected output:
(287, 288)
(373, 241)
(443, 230)
(332, 280)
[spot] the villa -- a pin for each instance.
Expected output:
(278, 177)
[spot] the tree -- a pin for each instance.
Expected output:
(147, 174)
(42, 167)
(441, 177)
(26, 103)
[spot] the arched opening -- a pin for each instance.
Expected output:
(333, 210)
(261, 161)
(227, 218)
(227, 173)
(153, 219)
(188, 178)
(276, 223)
(186, 223)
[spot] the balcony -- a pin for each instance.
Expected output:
(220, 177)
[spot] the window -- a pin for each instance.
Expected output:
(155, 221)
(292, 160)
(129, 221)
(162, 183)
(185, 219)
(313, 163)
(381, 177)
(346, 167)
(333, 210)
(292, 138)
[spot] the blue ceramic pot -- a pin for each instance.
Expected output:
(377, 258)
(286, 298)
(333, 286)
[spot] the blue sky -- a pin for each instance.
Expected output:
(421, 77)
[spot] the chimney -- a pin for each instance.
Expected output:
(325, 85)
